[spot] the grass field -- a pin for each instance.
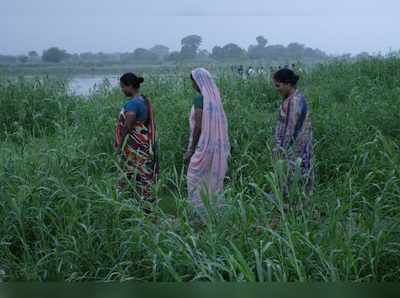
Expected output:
(62, 219)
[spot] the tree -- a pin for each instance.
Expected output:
(363, 55)
(190, 46)
(5, 59)
(54, 55)
(229, 51)
(203, 54)
(160, 50)
(274, 52)
(261, 41)
(258, 51)
(144, 55)
(217, 53)
(33, 54)
(22, 59)
(232, 50)
(295, 50)
(127, 58)
(174, 57)
(192, 41)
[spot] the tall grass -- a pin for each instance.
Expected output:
(62, 219)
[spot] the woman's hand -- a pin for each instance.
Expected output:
(188, 156)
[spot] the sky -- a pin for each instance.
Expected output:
(336, 27)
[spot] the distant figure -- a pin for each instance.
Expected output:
(251, 72)
(135, 137)
(261, 70)
(241, 70)
(209, 146)
(294, 133)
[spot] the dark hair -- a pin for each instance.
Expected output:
(130, 79)
(286, 76)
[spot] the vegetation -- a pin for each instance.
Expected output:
(190, 52)
(62, 218)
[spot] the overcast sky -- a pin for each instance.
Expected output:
(335, 26)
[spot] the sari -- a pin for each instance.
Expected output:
(294, 139)
(209, 163)
(138, 157)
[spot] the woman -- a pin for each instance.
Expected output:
(209, 147)
(294, 134)
(135, 138)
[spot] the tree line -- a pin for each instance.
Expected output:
(190, 51)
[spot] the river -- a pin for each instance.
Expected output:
(83, 85)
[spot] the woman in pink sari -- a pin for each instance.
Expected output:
(209, 146)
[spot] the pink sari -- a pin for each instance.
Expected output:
(209, 164)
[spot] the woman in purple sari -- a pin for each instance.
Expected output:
(294, 133)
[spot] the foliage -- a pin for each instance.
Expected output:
(54, 55)
(63, 220)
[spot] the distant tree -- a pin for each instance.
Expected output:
(33, 54)
(295, 50)
(54, 55)
(261, 41)
(73, 58)
(232, 50)
(127, 58)
(229, 51)
(85, 56)
(203, 54)
(23, 59)
(217, 53)
(144, 55)
(160, 50)
(188, 53)
(174, 57)
(258, 51)
(192, 41)
(190, 45)
(345, 56)
(363, 55)
(7, 59)
(274, 52)
(314, 54)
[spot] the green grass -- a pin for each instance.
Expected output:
(62, 219)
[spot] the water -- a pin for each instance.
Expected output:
(83, 85)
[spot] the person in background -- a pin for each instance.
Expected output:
(209, 146)
(294, 133)
(241, 70)
(251, 72)
(135, 139)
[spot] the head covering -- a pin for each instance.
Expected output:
(209, 164)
